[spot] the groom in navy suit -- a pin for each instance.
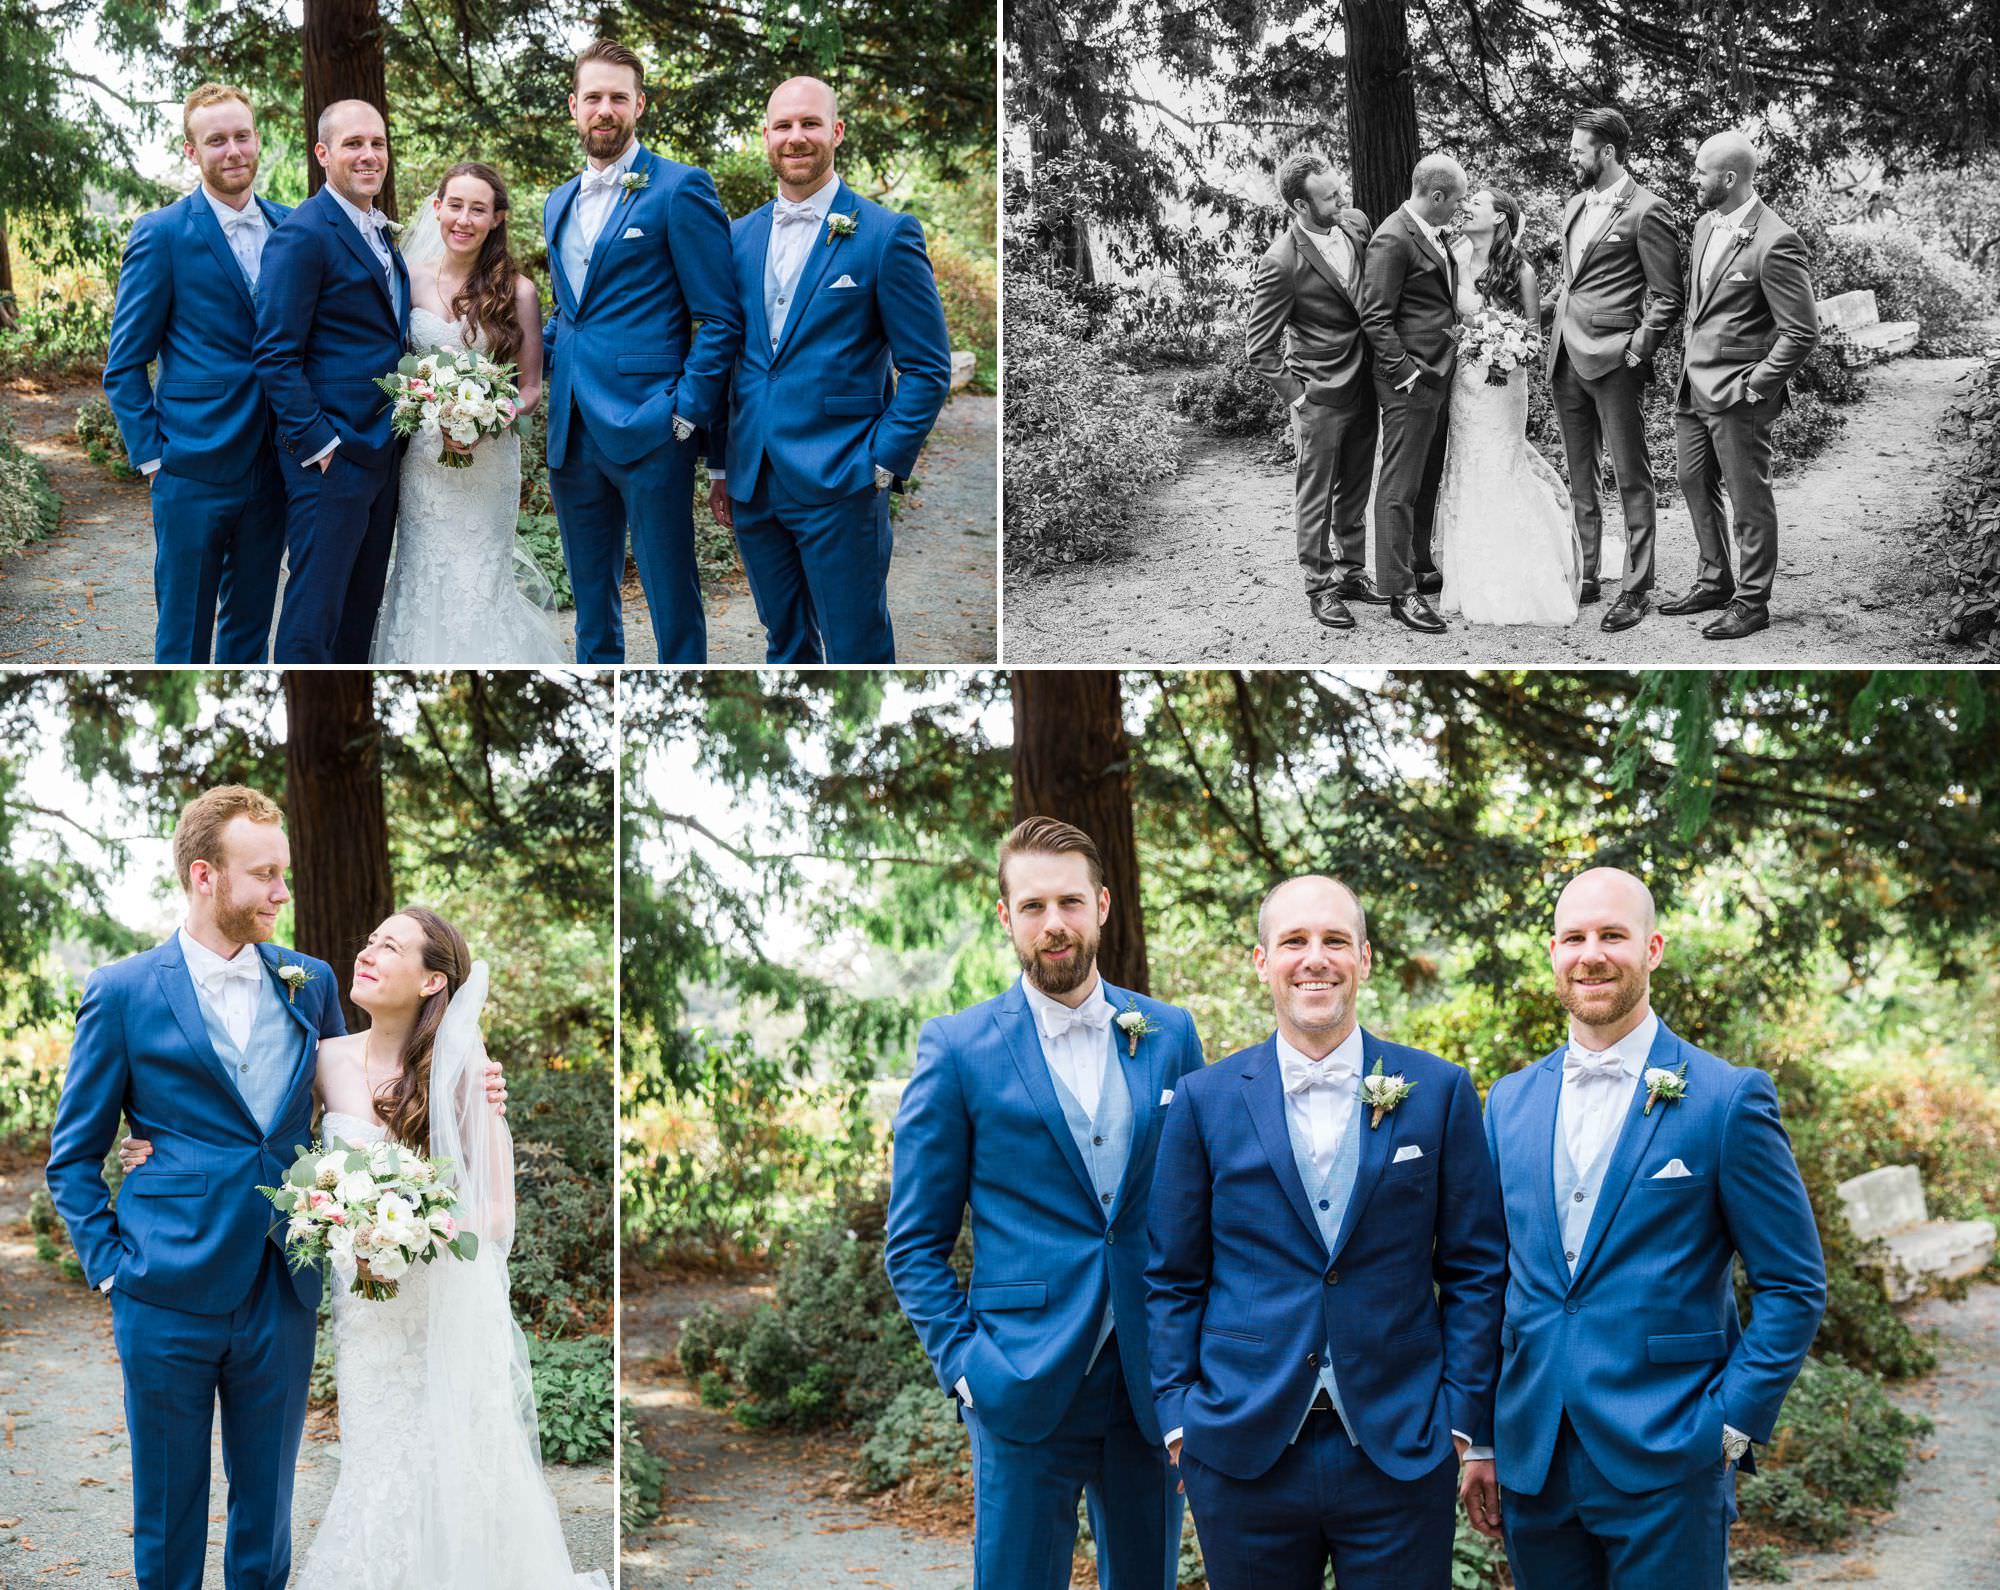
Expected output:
(845, 366)
(208, 1044)
(1040, 1111)
(1324, 1291)
(187, 295)
(638, 354)
(1635, 1169)
(333, 314)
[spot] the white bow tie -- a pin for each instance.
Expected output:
(1599, 201)
(248, 968)
(1094, 1013)
(247, 220)
(1323, 1073)
(1592, 1065)
(789, 214)
(609, 177)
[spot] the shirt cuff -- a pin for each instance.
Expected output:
(1734, 1443)
(1174, 1435)
(148, 468)
(715, 474)
(104, 1286)
(884, 478)
(324, 452)
(964, 1391)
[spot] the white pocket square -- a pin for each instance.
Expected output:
(1738, 276)
(1407, 1151)
(1613, 237)
(635, 231)
(845, 281)
(1671, 1170)
(1166, 1096)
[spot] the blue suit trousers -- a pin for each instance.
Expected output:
(217, 551)
(339, 528)
(258, 1361)
(819, 573)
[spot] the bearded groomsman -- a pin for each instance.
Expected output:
(201, 435)
(1325, 1283)
(1040, 1111)
(1305, 338)
(844, 369)
(1752, 323)
(1621, 293)
(1635, 1169)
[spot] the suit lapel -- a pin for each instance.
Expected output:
(209, 230)
(273, 959)
(1736, 246)
(1416, 236)
(177, 986)
(1017, 1026)
(1604, 231)
(1540, 1121)
(1309, 250)
(559, 207)
(1264, 1097)
(1377, 1144)
(350, 234)
(614, 223)
(817, 261)
(757, 251)
(1139, 1065)
(1634, 1138)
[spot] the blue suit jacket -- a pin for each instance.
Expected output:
(325, 330)
(1643, 1348)
(1243, 1298)
(823, 408)
(183, 300)
(980, 1125)
(190, 1226)
(658, 324)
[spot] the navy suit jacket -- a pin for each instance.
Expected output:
(824, 407)
(1643, 1348)
(190, 1226)
(980, 1125)
(658, 324)
(1243, 1298)
(325, 330)
(183, 300)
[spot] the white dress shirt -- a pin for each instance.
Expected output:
(1720, 241)
(795, 227)
(227, 989)
(1596, 218)
(1328, 1091)
(1338, 250)
(597, 194)
(1597, 1088)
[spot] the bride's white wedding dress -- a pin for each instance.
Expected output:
(453, 596)
(441, 1483)
(1506, 541)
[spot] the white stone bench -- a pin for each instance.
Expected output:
(964, 366)
(1859, 332)
(1887, 1206)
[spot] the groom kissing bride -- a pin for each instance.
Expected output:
(1358, 1299)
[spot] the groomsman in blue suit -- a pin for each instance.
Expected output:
(333, 314)
(845, 366)
(187, 297)
(638, 354)
(1635, 1168)
(1325, 1283)
(1040, 1111)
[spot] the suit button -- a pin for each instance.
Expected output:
(1312, 1360)
(1104, 1198)
(1579, 1195)
(1097, 1142)
(1571, 1257)
(1110, 1237)
(1324, 1204)
(1571, 1307)
(1332, 1277)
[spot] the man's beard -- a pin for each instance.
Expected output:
(240, 924)
(822, 164)
(605, 143)
(1586, 176)
(1625, 996)
(1060, 977)
(232, 182)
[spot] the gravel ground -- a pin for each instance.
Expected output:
(1213, 576)
(85, 595)
(753, 1510)
(67, 1502)
(1945, 1531)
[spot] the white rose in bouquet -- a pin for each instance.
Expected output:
(355, 1187)
(389, 1265)
(465, 432)
(427, 420)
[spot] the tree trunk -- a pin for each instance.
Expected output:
(1381, 105)
(1071, 761)
(334, 815)
(343, 60)
(7, 305)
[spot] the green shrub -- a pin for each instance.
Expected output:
(1840, 1445)
(572, 1111)
(560, 1267)
(1911, 280)
(1763, 1564)
(1083, 441)
(98, 434)
(57, 336)
(573, 1397)
(1195, 323)
(30, 510)
(710, 1340)
(969, 285)
(1969, 516)
(1231, 399)
(641, 1476)
(917, 1434)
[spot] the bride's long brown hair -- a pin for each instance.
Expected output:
(486, 301)
(404, 1102)
(1500, 282)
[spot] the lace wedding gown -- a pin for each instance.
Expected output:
(453, 595)
(436, 1490)
(1506, 543)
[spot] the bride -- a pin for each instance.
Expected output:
(452, 595)
(1506, 542)
(440, 1457)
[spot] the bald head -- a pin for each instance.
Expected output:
(353, 149)
(1725, 172)
(1437, 188)
(1603, 951)
(806, 91)
(1607, 893)
(343, 113)
(1730, 151)
(802, 129)
(1310, 890)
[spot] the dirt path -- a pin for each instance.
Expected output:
(1214, 578)
(1946, 1527)
(67, 1506)
(86, 593)
(747, 1509)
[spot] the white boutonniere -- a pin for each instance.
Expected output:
(1664, 1086)
(1133, 1022)
(838, 225)
(1382, 1094)
(294, 976)
(632, 182)
(393, 228)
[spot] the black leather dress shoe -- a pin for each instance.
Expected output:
(1417, 613)
(1588, 593)
(1359, 588)
(1630, 607)
(1698, 600)
(1737, 620)
(1429, 582)
(1331, 611)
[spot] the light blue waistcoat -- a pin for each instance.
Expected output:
(264, 1067)
(1576, 1191)
(1106, 1146)
(1329, 1197)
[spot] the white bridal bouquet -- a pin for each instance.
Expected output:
(455, 395)
(1499, 342)
(371, 1212)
